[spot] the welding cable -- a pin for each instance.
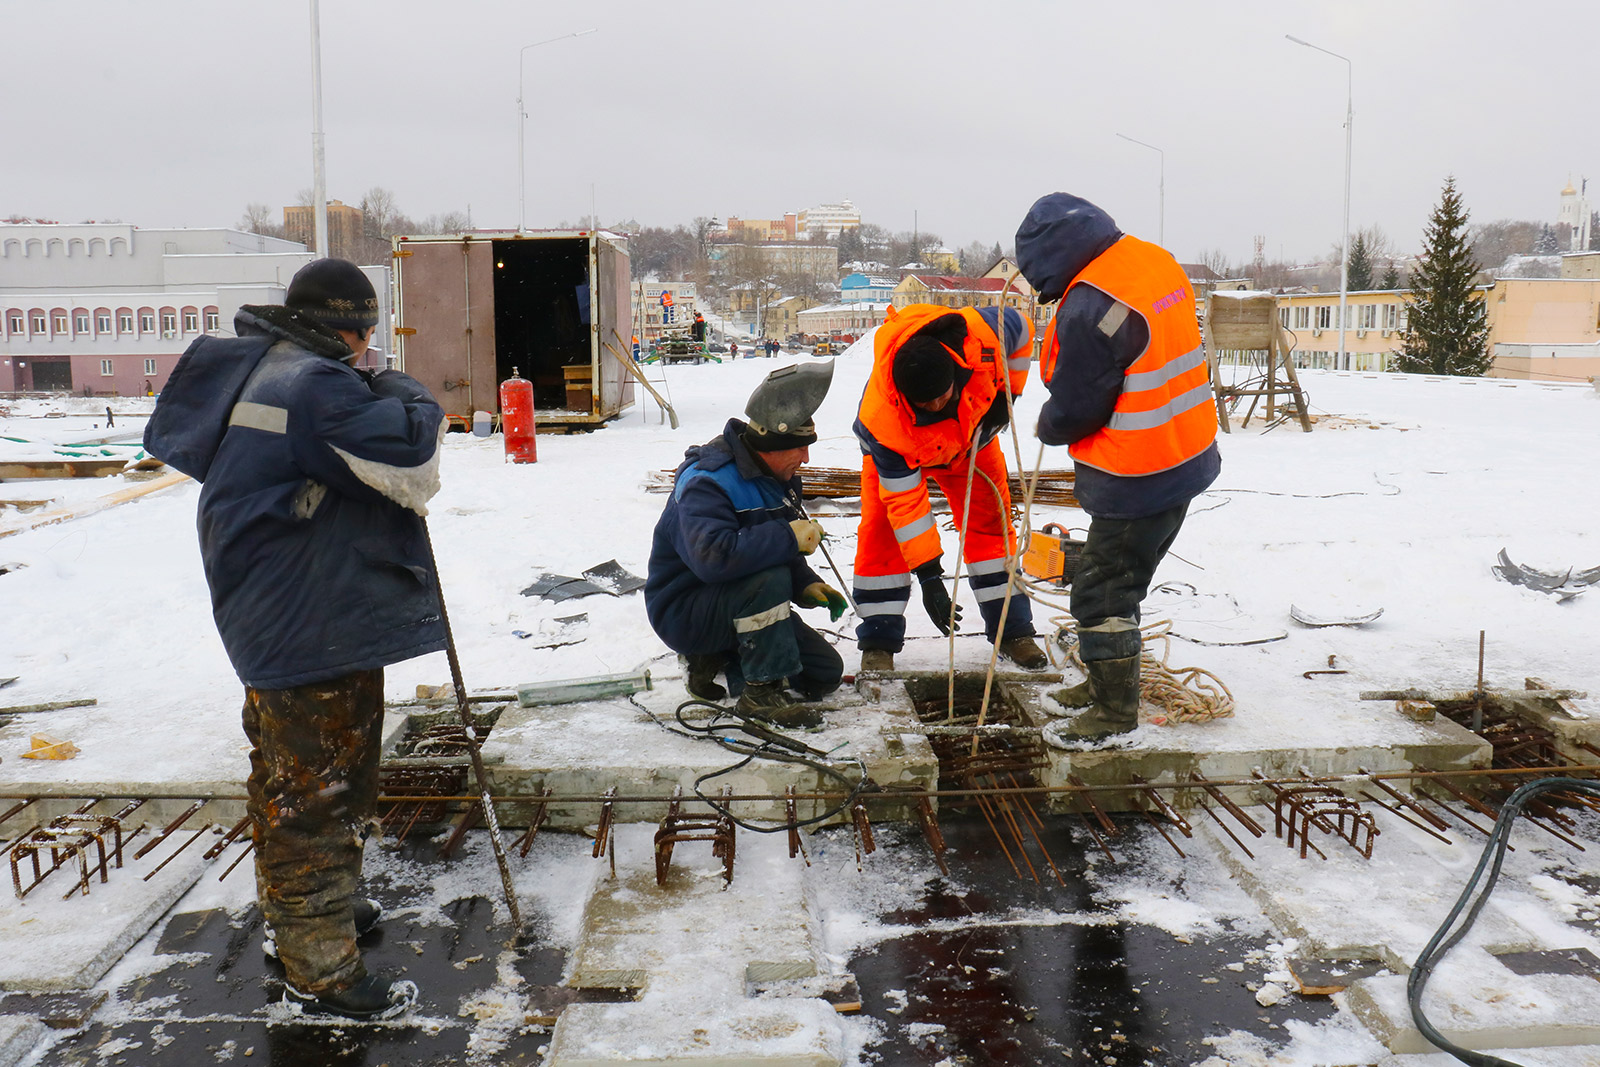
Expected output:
(762, 743)
(1494, 852)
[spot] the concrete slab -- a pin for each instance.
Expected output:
(1347, 907)
(53, 945)
(1479, 1004)
(19, 1035)
(800, 1033)
(585, 749)
(1378, 740)
(762, 928)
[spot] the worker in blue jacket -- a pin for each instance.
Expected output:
(729, 558)
(315, 477)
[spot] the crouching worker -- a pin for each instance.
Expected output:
(1130, 394)
(729, 558)
(316, 477)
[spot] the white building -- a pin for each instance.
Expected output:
(108, 308)
(829, 219)
(831, 320)
(1574, 216)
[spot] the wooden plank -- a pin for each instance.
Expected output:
(61, 468)
(110, 500)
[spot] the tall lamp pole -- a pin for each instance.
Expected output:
(1344, 234)
(1161, 225)
(522, 118)
(319, 182)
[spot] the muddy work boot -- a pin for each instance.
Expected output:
(770, 702)
(369, 913)
(701, 678)
(373, 997)
(1025, 652)
(1112, 689)
(876, 660)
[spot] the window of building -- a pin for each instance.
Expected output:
(211, 321)
(1367, 316)
(1391, 316)
(61, 324)
(102, 323)
(169, 324)
(149, 367)
(125, 321)
(147, 322)
(1283, 316)
(1302, 316)
(105, 368)
(16, 324)
(1324, 316)
(191, 322)
(38, 324)
(81, 322)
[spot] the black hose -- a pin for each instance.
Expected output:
(1494, 852)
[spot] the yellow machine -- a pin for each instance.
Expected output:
(1052, 554)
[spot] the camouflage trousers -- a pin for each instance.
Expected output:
(313, 786)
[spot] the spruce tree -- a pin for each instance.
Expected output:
(1391, 277)
(1360, 273)
(1547, 244)
(1447, 331)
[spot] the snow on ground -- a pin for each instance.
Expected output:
(1399, 500)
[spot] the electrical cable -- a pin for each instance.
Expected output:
(1494, 852)
(763, 743)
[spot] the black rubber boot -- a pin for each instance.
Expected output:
(770, 702)
(374, 997)
(701, 680)
(1113, 690)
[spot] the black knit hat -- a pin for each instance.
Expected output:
(924, 368)
(335, 293)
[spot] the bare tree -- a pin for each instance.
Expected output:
(259, 218)
(1217, 260)
(1495, 242)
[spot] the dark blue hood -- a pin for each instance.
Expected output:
(1061, 235)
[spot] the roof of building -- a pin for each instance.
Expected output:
(1199, 272)
(955, 283)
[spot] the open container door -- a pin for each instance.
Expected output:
(611, 326)
(445, 320)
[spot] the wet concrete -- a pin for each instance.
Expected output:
(996, 993)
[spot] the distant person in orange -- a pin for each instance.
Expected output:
(666, 307)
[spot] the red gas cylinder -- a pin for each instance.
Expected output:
(516, 419)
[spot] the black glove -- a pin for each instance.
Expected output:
(399, 386)
(997, 417)
(936, 598)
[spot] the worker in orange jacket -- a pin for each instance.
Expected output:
(1130, 393)
(938, 392)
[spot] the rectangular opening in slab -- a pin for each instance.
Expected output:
(1517, 741)
(970, 756)
(931, 697)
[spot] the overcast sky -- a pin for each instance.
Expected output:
(179, 112)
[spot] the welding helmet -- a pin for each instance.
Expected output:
(781, 408)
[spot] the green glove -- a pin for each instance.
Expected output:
(821, 594)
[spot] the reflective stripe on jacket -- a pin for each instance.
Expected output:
(1164, 416)
(901, 447)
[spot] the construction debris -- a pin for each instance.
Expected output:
(608, 577)
(1306, 618)
(1562, 585)
(45, 747)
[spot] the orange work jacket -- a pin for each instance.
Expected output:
(891, 419)
(1164, 416)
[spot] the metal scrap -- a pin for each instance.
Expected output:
(1563, 585)
(676, 827)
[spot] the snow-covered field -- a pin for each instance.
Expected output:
(1399, 500)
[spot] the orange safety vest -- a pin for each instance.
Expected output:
(1164, 417)
(666, 299)
(890, 417)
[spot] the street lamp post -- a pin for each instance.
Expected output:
(1161, 225)
(1344, 235)
(522, 118)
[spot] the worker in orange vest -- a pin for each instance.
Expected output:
(937, 393)
(666, 306)
(1130, 394)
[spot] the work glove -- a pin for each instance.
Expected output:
(821, 594)
(807, 535)
(997, 417)
(936, 598)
